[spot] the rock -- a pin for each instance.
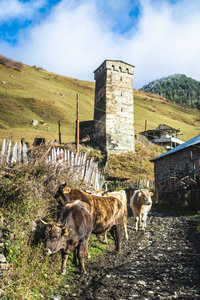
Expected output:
(34, 122)
(2, 258)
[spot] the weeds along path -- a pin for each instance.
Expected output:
(162, 263)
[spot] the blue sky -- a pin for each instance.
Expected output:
(73, 37)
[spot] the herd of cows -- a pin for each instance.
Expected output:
(83, 213)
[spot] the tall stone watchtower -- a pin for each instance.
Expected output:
(113, 111)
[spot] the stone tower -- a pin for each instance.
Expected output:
(113, 111)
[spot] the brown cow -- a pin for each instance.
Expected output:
(140, 204)
(107, 212)
(70, 233)
(121, 196)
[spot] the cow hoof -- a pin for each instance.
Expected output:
(62, 273)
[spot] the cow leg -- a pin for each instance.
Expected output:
(86, 252)
(64, 262)
(75, 258)
(119, 238)
(142, 222)
(125, 231)
(136, 220)
(105, 240)
(116, 233)
(81, 249)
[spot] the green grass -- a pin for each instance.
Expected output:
(43, 95)
(27, 195)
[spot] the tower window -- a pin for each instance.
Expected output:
(121, 93)
(121, 78)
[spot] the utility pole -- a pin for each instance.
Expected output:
(145, 127)
(59, 133)
(77, 124)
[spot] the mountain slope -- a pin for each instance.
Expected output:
(35, 93)
(178, 88)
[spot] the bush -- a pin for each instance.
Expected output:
(26, 195)
(9, 63)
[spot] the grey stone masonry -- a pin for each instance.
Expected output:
(113, 111)
(171, 167)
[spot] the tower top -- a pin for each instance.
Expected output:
(115, 65)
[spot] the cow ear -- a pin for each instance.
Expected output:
(66, 190)
(67, 231)
(151, 194)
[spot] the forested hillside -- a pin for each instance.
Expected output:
(177, 88)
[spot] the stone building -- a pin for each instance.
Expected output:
(113, 123)
(165, 136)
(178, 169)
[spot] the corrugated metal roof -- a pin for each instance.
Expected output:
(193, 141)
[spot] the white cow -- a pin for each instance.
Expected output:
(141, 204)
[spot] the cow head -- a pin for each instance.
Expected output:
(145, 196)
(63, 191)
(56, 236)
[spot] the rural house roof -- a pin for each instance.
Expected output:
(161, 127)
(194, 141)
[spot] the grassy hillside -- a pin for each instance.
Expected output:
(157, 110)
(39, 94)
(34, 94)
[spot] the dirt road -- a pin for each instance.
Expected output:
(162, 263)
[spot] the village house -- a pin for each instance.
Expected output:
(164, 135)
(177, 173)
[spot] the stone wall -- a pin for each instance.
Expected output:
(170, 168)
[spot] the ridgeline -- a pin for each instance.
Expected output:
(177, 88)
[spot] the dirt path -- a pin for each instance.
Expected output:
(162, 263)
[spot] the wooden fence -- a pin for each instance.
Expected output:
(81, 168)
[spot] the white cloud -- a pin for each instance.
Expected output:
(167, 42)
(75, 39)
(12, 9)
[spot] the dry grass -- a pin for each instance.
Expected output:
(35, 93)
(135, 165)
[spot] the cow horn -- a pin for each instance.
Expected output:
(43, 222)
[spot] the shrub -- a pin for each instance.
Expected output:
(27, 194)
(9, 63)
